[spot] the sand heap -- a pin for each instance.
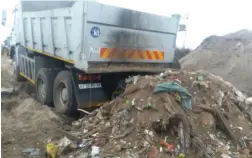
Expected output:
(228, 56)
(208, 122)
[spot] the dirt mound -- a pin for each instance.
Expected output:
(228, 56)
(30, 109)
(25, 124)
(196, 114)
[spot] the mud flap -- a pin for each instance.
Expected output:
(87, 97)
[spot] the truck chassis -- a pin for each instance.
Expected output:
(60, 84)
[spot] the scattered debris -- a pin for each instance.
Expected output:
(132, 80)
(200, 78)
(63, 144)
(150, 111)
(84, 111)
(153, 153)
(95, 151)
(6, 91)
(32, 151)
(225, 156)
(85, 143)
(175, 87)
(248, 101)
(51, 150)
(169, 147)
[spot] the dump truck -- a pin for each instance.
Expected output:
(78, 53)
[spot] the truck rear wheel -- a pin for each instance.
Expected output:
(63, 94)
(44, 85)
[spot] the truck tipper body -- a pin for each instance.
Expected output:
(82, 50)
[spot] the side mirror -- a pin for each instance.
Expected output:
(182, 27)
(4, 17)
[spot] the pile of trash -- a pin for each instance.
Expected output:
(227, 56)
(173, 114)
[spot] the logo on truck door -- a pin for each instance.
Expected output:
(95, 32)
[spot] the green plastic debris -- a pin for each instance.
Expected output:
(175, 87)
(126, 101)
(200, 78)
(148, 106)
(181, 155)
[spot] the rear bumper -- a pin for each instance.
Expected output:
(129, 67)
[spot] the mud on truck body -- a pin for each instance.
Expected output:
(78, 53)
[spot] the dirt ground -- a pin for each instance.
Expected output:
(25, 122)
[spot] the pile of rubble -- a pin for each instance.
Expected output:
(227, 56)
(174, 114)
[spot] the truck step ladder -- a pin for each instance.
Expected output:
(27, 68)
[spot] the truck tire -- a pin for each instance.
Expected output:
(63, 94)
(44, 85)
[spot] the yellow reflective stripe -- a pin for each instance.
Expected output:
(29, 79)
(160, 55)
(106, 53)
(152, 55)
(119, 53)
(50, 55)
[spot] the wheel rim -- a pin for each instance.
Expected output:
(63, 96)
(42, 88)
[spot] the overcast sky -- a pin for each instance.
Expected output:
(206, 17)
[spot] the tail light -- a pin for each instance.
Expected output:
(85, 77)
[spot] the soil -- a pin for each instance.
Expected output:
(227, 56)
(25, 122)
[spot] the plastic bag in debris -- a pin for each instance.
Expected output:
(32, 151)
(51, 150)
(175, 87)
(6, 91)
(63, 144)
(239, 96)
(248, 101)
(85, 143)
(95, 151)
(132, 80)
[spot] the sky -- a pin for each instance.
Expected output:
(206, 17)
